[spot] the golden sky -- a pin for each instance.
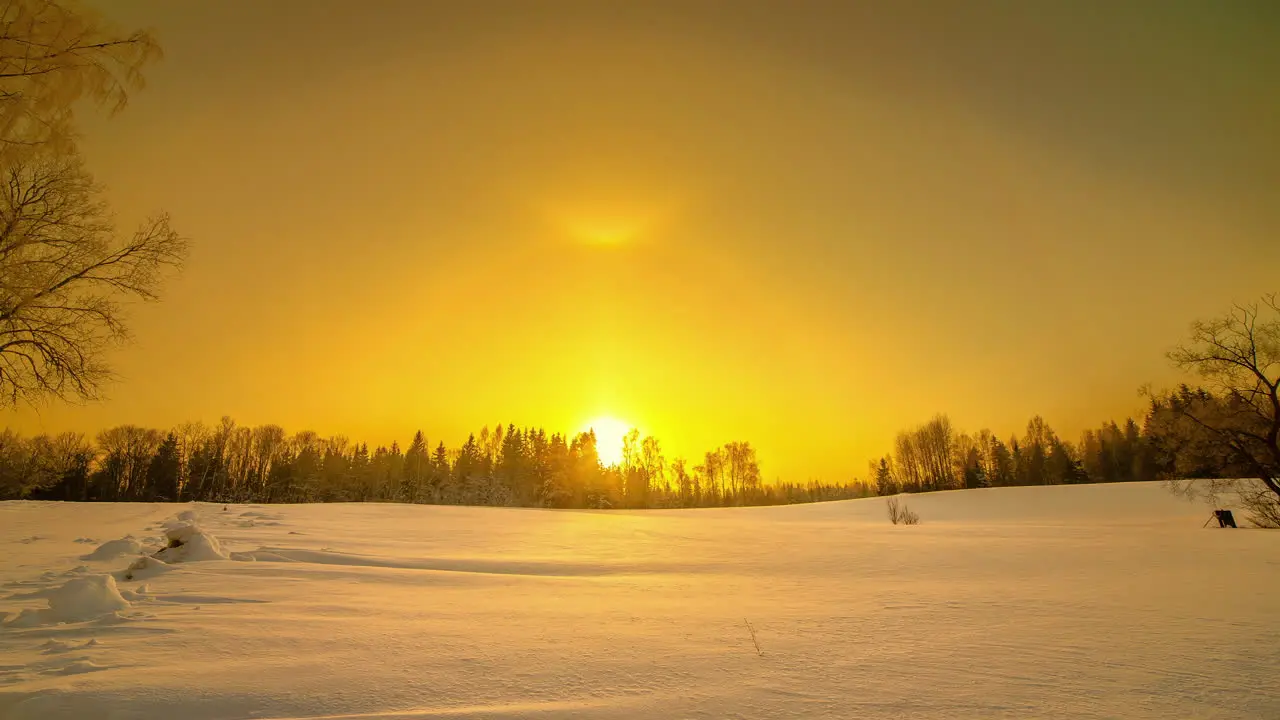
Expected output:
(803, 224)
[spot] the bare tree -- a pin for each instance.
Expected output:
(126, 451)
(64, 273)
(1237, 422)
(909, 462)
(53, 54)
(924, 456)
(38, 463)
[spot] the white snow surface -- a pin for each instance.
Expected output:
(1103, 601)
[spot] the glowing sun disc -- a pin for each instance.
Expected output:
(609, 433)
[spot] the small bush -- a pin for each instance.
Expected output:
(900, 514)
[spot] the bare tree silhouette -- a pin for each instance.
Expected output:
(1235, 423)
(63, 272)
(53, 54)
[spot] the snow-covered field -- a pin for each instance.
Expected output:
(1104, 601)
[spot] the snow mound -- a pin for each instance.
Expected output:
(144, 568)
(85, 598)
(188, 543)
(77, 600)
(57, 647)
(112, 549)
(76, 667)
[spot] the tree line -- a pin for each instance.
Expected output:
(513, 466)
(502, 466)
(934, 456)
(1223, 433)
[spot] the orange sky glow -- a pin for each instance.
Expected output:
(807, 225)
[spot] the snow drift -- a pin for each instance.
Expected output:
(113, 549)
(83, 598)
(188, 543)
(144, 568)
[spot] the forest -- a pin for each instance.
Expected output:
(934, 456)
(512, 466)
(1165, 446)
(503, 466)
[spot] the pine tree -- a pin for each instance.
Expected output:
(511, 471)
(162, 471)
(415, 469)
(1061, 465)
(974, 475)
(469, 472)
(1032, 468)
(440, 477)
(885, 483)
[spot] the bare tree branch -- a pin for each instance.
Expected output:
(1239, 355)
(65, 274)
(54, 53)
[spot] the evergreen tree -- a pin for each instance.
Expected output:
(1002, 464)
(511, 471)
(1033, 461)
(974, 475)
(162, 471)
(440, 477)
(415, 469)
(1061, 465)
(885, 484)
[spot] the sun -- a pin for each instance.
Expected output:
(609, 433)
(604, 230)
